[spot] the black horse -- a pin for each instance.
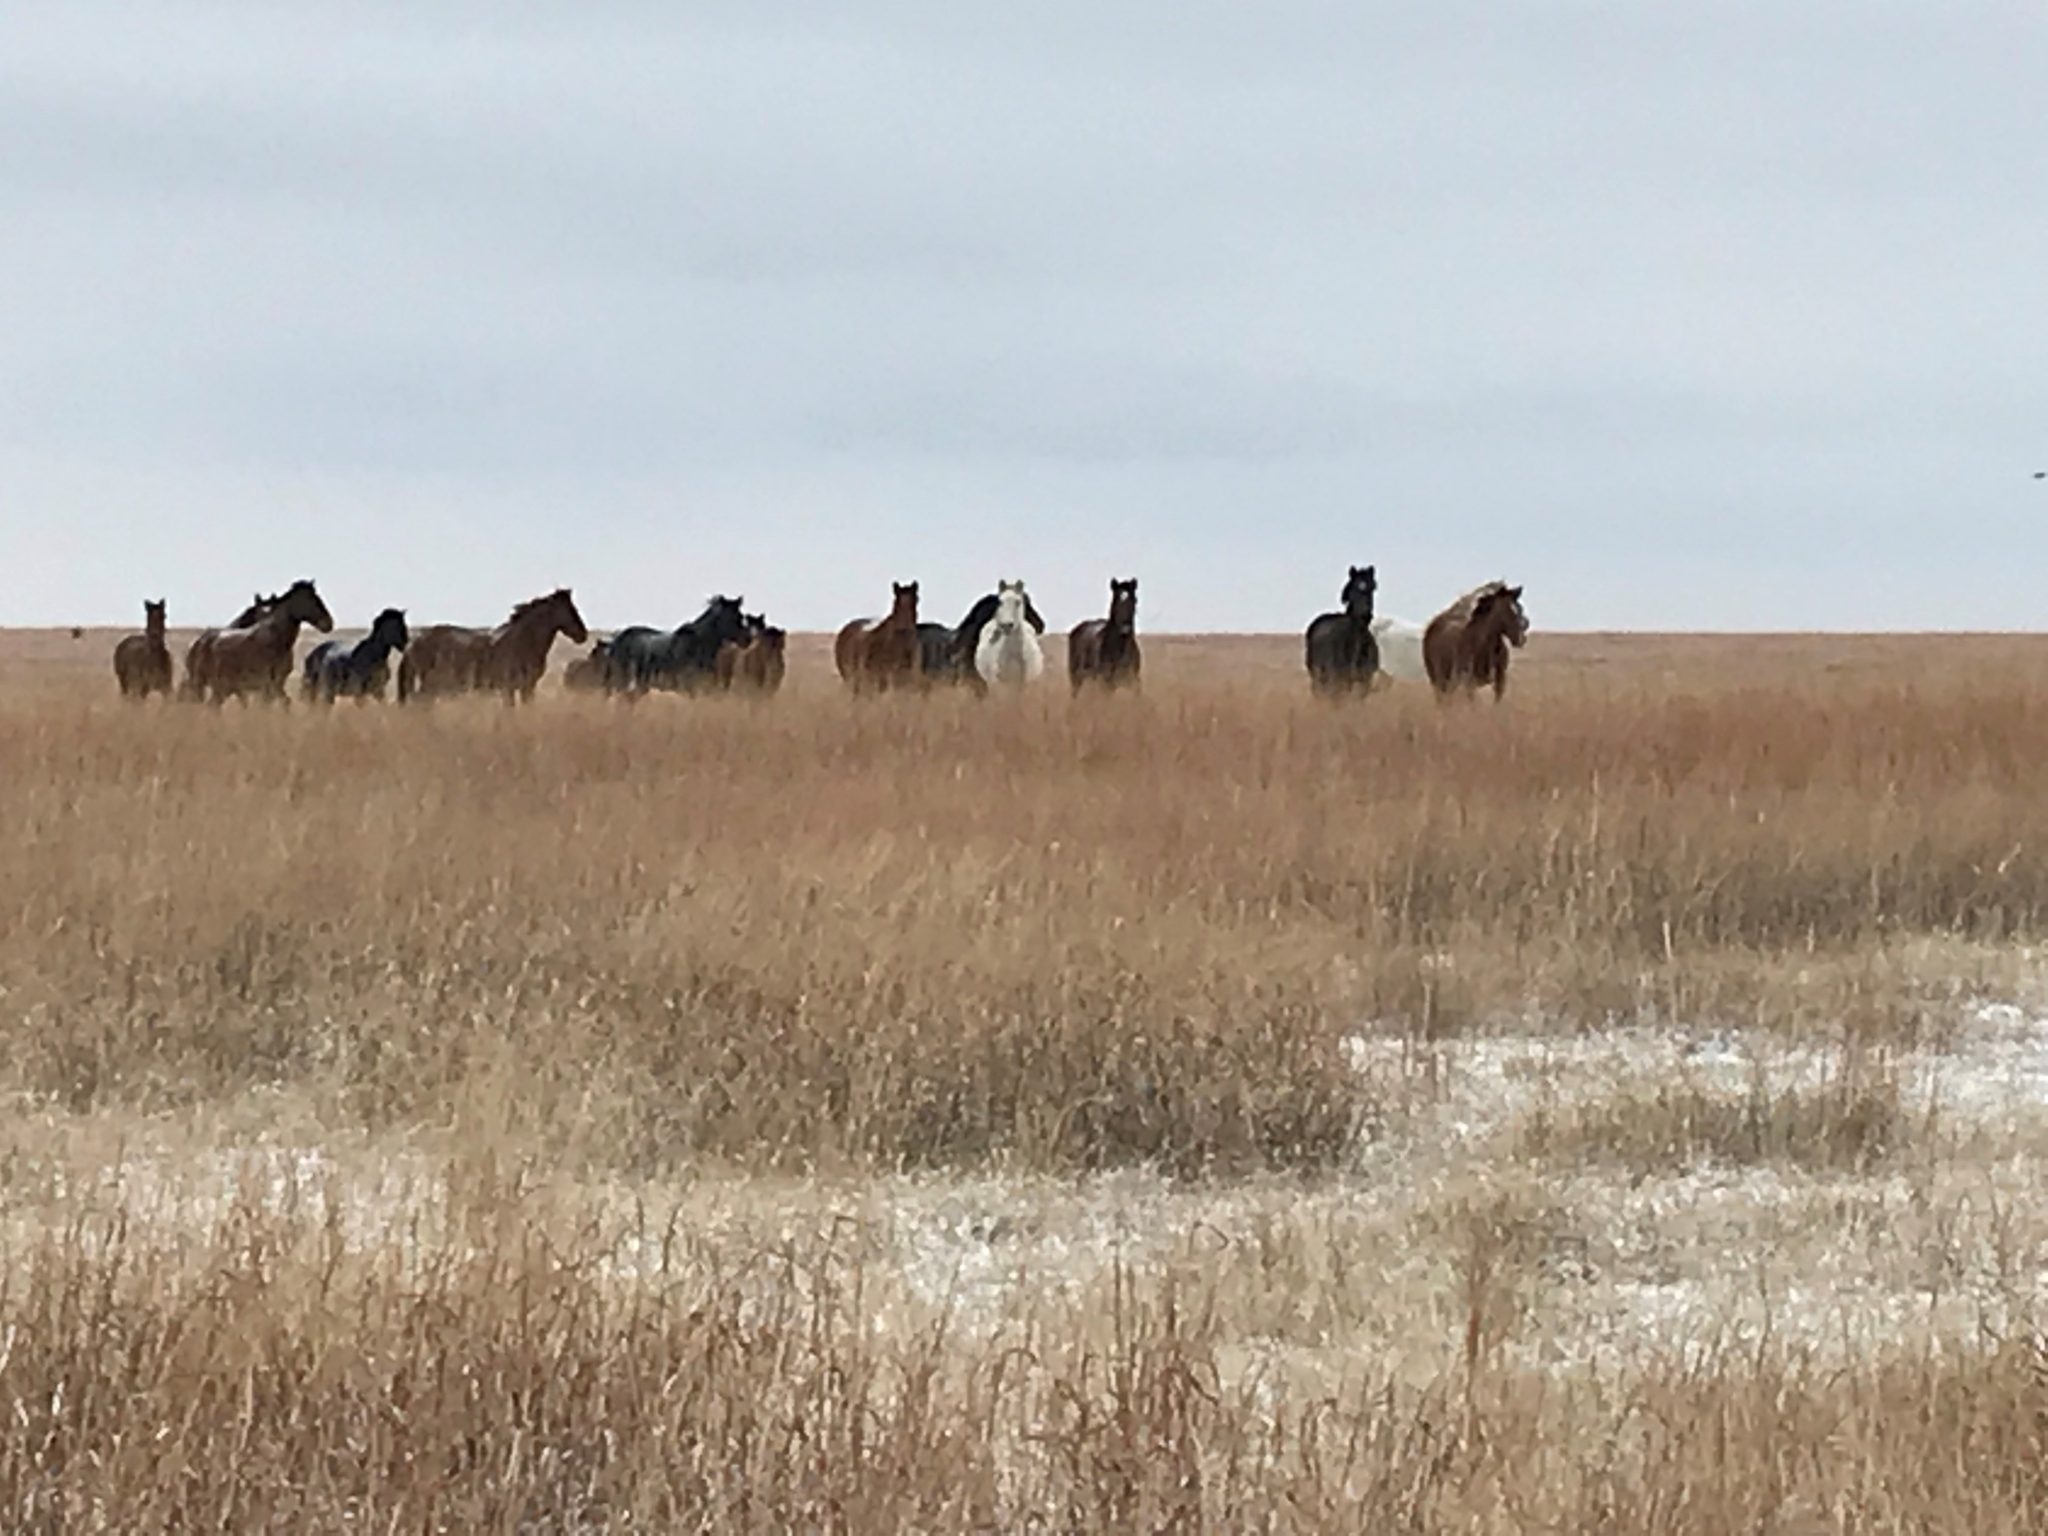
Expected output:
(683, 659)
(338, 669)
(947, 655)
(1340, 649)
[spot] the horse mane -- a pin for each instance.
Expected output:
(983, 610)
(1468, 606)
(534, 604)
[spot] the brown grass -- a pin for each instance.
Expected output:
(645, 948)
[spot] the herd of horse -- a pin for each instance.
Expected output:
(995, 646)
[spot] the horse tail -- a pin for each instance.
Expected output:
(408, 681)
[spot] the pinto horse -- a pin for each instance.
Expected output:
(1008, 654)
(142, 663)
(509, 660)
(1105, 651)
(877, 654)
(946, 656)
(338, 669)
(679, 660)
(255, 659)
(1339, 648)
(1466, 646)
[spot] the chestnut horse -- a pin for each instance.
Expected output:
(255, 659)
(142, 663)
(757, 663)
(875, 654)
(1105, 651)
(509, 660)
(1341, 653)
(1466, 646)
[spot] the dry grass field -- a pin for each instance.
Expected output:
(1625, 1110)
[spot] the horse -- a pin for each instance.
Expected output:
(1339, 648)
(876, 654)
(509, 660)
(255, 658)
(1008, 653)
(142, 663)
(259, 608)
(1400, 644)
(947, 655)
(1466, 646)
(337, 669)
(684, 658)
(756, 664)
(591, 672)
(1105, 651)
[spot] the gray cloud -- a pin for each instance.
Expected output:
(1659, 309)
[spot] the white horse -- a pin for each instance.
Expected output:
(1009, 654)
(1400, 646)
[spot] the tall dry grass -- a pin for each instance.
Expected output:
(930, 933)
(261, 1376)
(647, 949)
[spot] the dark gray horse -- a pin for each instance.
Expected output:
(682, 659)
(1341, 652)
(338, 669)
(948, 654)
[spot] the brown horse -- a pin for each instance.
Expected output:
(876, 654)
(588, 672)
(509, 660)
(142, 663)
(1105, 651)
(254, 659)
(1465, 648)
(755, 664)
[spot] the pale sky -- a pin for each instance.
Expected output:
(1683, 313)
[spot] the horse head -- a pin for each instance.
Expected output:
(1011, 603)
(561, 608)
(1506, 603)
(903, 602)
(301, 602)
(259, 609)
(721, 621)
(153, 616)
(390, 629)
(1123, 603)
(1359, 589)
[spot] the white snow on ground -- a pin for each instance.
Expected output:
(1355, 1271)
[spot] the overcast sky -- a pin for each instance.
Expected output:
(1685, 313)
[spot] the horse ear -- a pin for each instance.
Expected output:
(1515, 593)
